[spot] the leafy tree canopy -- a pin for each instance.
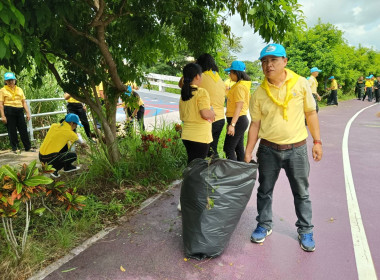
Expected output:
(86, 42)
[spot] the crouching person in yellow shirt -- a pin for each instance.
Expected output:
(195, 113)
(55, 147)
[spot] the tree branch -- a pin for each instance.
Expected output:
(80, 33)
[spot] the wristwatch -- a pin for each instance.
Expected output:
(233, 124)
(317, 142)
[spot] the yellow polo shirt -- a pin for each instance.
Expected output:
(239, 92)
(57, 137)
(217, 91)
(72, 100)
(334, 85)
(273, 127)
(195, 128)
(11, 97)
(368, 83)
(313, 84)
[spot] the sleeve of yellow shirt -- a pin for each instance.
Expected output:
(21, 93)
(203, 99)
(254, 108)
(309, 101)
(239, 94)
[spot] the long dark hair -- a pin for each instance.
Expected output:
(241, 75)
(190, 71)
(207, 62)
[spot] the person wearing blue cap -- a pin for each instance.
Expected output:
(12, 106)
(278, 109)
(333, 98)
(368, 89)
(237, 108)
(314, 85)
(55, 149)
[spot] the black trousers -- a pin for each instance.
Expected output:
(62, 159)
(195, 150)
(77, 108)
(368, 93)
(16, 122)
(333, 98)
(377, 95)
(316, 102)
(234, 145)
(139, 117)
(217, 128)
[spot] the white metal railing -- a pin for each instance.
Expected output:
(31, 129)
(154, 79)
(159, 80)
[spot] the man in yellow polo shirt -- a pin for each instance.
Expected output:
(56, 145)
(333, 98)
(278, 109)
(314, 85)
(368, 89)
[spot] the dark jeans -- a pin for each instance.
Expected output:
(296, 165)
(333, 99)
(234, 145)
(16, 121)
(77, 108)
(368, 93)
(217, 128)
(377, 95)
(316, 102)
(139, 117)
(62, 159)
(195, 150)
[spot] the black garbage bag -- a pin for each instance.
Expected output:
(213, 197)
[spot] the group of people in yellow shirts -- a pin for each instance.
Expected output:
(278, 109)
(371, 88)
(202, 108)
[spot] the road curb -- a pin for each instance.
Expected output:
(86, 244)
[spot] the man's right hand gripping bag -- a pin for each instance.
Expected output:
(213, 197)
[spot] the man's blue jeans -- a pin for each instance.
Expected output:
(296, 165)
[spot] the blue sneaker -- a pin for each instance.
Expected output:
(259, 234)
(307, 242)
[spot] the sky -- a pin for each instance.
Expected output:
(358, 19)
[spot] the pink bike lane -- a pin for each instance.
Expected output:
(149, 244)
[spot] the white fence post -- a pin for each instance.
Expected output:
(30, 123)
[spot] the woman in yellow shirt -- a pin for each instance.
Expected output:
(237, 108)
(12, 106)
(195, 113)
(216, 89)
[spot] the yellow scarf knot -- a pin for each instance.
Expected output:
(289, 85)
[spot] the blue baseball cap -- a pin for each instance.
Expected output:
(73, 118)
(9, 76)
(273, 49)
(315, 69)
(332, 77)
(307, 78)
(370, 76)
(236, 66)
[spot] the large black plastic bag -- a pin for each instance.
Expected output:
(229, 186)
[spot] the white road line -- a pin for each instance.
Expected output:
(364, 263)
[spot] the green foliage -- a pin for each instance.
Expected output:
(85, 42)
(324, 46)
(19, 187)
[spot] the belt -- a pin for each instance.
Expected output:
(282, 147)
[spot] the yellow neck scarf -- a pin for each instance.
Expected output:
(289, 85)
(214, 76)
(12, 91)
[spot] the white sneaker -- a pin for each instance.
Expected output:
(71, 169)
(179, 206)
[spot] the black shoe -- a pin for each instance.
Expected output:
(55, 174)
(71, 168)
(31, 150)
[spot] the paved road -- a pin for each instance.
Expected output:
(156, 104)
(149, 245)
